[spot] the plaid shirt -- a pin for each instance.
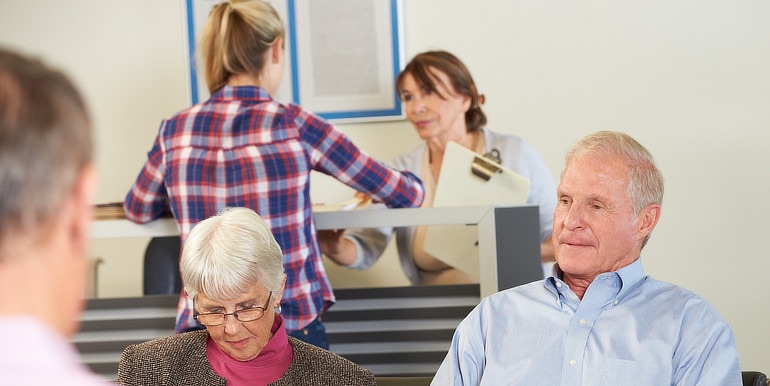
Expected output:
(242, 149)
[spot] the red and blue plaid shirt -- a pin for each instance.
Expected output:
(242, 149)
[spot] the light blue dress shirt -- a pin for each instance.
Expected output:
(629, 329)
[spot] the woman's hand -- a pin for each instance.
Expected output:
(337, 248)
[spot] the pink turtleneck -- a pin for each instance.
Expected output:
(267, 367)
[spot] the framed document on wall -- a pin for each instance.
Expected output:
(342, 56)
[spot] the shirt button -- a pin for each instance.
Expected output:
(572, 362)
(558, 284)
(582, 322)
(616, 302)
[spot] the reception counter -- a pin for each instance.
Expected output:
(508, 237)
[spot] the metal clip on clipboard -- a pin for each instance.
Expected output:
(484, 169)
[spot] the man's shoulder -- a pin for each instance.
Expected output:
(668, 290)
(671, 298)
(522, 289)
(535, 289)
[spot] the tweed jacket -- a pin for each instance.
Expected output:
(181, 360)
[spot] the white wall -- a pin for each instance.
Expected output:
(689, 79)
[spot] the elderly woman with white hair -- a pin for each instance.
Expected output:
(232, 269)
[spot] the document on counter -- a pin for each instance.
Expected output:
(469, 179)
(109, 211)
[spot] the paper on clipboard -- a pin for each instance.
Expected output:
(459, 185)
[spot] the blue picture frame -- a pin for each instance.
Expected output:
(386, 106)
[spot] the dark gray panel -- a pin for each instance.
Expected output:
(517, 231)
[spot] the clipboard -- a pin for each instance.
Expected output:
(469, 179)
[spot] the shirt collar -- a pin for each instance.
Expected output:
(629, 276)
(255, 93)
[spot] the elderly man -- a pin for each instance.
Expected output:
(598, 319)
(46, 187)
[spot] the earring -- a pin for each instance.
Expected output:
(278, 309)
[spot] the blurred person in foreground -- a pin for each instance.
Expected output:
(598, 319)
(233, 271)
(242, 148)
(47, 183)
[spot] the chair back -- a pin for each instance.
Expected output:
(754, 378)
(161, 266)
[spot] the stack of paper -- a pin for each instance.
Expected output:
(109, 211)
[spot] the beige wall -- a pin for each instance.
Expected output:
(689, 79)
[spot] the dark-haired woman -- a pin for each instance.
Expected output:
(443, 105)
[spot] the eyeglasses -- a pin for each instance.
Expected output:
(244, 315)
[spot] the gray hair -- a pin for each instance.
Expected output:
(645, 181)
(45, 143)
(228, 254)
